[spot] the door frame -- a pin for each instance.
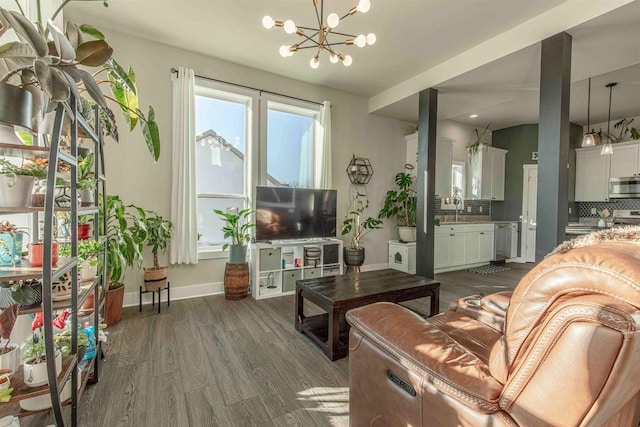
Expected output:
(525, 171)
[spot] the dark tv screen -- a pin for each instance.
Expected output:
(295, 213)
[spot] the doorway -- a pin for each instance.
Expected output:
(528, 217)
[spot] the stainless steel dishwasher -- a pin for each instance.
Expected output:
(506, 241)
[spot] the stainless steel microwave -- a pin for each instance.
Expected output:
(624, 188)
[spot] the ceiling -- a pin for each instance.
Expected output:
(413, 36)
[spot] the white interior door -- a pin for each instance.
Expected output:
(529, 205)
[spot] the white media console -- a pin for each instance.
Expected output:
(275, 266)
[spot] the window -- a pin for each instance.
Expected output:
(458, 184)
(228, 131)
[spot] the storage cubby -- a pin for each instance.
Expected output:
(276, 266)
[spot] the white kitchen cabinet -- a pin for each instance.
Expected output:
(486, 245)
(625, 160)
(442, 252)
(459, 246)
(592, 175)
(444, 161)
(486, 174)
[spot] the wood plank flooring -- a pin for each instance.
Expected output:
(212, 362)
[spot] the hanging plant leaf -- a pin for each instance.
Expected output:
(92, 88)
(73, 34)
(26, 31)
(92, 31)
(151, 133)
(64, 48)
(17, 50)
(119, 73)
(52, 81)
(94, 53)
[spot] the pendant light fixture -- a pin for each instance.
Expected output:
(592, 138)
(607, 149)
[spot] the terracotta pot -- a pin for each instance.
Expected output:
(84, 231)
(36, 251)
(88, 303)
(113, 306)
(155, 279)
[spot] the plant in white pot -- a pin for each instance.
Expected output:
(238, 226)
(159, 232)
(402, 205)
(16, 182)
(35, 361)
(352, 224)
(9, 352)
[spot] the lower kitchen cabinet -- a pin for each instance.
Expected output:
(463, 245)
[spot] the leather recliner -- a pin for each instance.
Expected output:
(562, 350)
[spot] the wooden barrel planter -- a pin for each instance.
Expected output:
(236, 281)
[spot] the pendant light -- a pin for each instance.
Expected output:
(607, 149)
(592, 138)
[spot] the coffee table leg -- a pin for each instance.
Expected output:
(334, 334)
(299, 313)
(435, 302)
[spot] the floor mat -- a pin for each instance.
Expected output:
(487, 269)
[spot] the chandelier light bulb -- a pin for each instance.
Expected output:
(333, 20)
(268, 22)
(314, 62)
(347, 61)
(289, 26)
(371, 39)
(361, 40)
(284, 51)
(364, 6)
(333, 58)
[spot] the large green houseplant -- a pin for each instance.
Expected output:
(51, 64)
(238, 226)
(402, 204)
(354, 225)
(159, 232)
(126, 233)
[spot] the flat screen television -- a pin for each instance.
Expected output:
(284, 213)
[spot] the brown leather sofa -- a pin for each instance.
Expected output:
(563, 350)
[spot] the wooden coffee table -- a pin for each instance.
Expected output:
(338, 294)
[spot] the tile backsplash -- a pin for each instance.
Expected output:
(473, 204)
(626, 204)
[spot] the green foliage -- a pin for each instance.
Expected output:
(401, 203)
(238, 226)
(28, 169)
(85, 167)
(126, 233)
(473, 148)
(87, 249)
(51, 64)
(21, 292)
(159, 232)
(63, 340)
(352, 223)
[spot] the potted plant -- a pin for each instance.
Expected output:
(86, 183)
(238, 226)
(473, 148)
(159, 232)
(51, 64)
(352, 224)
(89, 252)
(9, 352)
(125, 234)
(401, 204)
(10, 244)
(16, 182)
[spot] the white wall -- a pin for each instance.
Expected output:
(132, 174)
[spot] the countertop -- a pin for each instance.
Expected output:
(478, 222)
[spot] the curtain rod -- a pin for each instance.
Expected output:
(173, 70)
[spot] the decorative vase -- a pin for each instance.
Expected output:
(407, 234)
(11, 248)
(15, 190)
(353, 257)
(237, 254)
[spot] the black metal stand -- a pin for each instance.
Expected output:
(153, 295)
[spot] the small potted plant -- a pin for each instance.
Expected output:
(16, 182)
(238, 226)
(159, 232)
(401, 204)
(10, 244)
(86, 183)
(9, 352)
(35, 366)
(89, 252)
(354, 225)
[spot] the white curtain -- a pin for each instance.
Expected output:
(184, 206)
(322, 178)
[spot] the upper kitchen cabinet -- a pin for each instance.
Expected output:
(444, 160)
(625, 160)
(485, 174)
(592, 175)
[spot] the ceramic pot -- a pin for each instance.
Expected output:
(86, 197)
(237, 254)
(353, 257)
(35, 375)
(10, 248)
(16, 106)
(11, 359)
(36, 253)
(84, 231)
(43, 402)
(15, 190)
(407, 234)
(88, 272)
(9, 421)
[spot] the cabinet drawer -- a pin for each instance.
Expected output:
(270, 259)
(311, 273)
(289, 280)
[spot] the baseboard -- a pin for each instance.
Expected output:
(177, 293)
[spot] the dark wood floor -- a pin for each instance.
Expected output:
(211, 362)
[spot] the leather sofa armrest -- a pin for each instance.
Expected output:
(429, 352)
(490, 310)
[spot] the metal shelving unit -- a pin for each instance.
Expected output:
(89, 370)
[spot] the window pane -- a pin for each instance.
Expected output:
(220, 142)
(209, 224)
(289, 149)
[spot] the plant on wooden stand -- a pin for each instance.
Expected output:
(236, 272)
(352, 224)
(159, 232)
(402, 205)
(125, 233)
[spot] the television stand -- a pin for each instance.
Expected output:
(277, 265)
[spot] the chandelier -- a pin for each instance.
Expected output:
(323, 37)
